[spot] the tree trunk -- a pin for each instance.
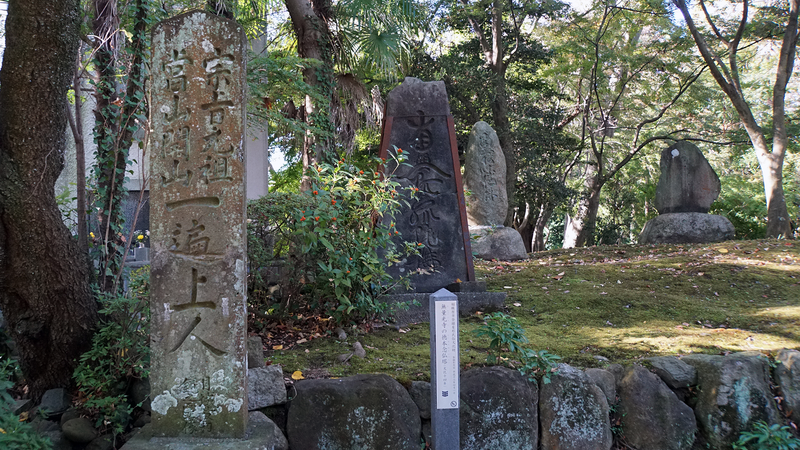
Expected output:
(111, 163)
(525, 227)
(771, 163)
(503, 129)
(537, 241)
(580, 231)
(44, 287)
(778, 221)
(313, 42)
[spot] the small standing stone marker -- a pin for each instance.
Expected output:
(485, 177)
(445, 383)
(198, 273)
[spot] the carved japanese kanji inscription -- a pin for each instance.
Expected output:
(419, 123)
(198, 278)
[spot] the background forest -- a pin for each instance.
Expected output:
(583, 97)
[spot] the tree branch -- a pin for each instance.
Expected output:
(487, 49)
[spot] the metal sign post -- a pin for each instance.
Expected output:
(445, 394)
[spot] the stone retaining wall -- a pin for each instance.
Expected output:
(698, 401)
(693, 402)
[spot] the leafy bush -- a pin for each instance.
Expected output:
(15, 434)
(120, 353)
(767, 437)
(505, 332)
(330, 246)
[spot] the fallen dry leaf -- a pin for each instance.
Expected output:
(277, 347)
(298, 375)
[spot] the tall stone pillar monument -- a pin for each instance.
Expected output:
(198, 234)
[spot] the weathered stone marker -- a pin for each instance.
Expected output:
(445, 393)
(418, 122)
(198, 272)
(686, 189)
(485, 178)
(687, 183)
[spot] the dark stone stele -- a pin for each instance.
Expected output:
(417, 123)
(417, 115)
(687, 182)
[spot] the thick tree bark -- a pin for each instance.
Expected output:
(313, 42)
(44, 288)
(525, 227)
(537, 240)
(533, 224)
(580, 229)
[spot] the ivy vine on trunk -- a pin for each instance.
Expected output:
(118, 115)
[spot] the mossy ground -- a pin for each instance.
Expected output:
(622, 303)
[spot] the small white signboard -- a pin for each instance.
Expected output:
(447, 382)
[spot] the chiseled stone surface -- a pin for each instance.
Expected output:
(198, 240)
(687, 182)
(262, 434)
(573, 412)
(501, 243)
(787, 375)
(605, 381)
(420, 392)
(255, 352)
(80, 430)
(732, 394)
(358, 412)
(676, 373)
(652, 415)
(55, 401)
(498, 410)
(485, 177)
(419, 113)
(265, 387)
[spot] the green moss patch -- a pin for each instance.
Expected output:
(620, 303)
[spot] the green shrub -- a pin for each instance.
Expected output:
(767, 437)
(506, 334)
(15, 434)
(120, 353)
(331, 245)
